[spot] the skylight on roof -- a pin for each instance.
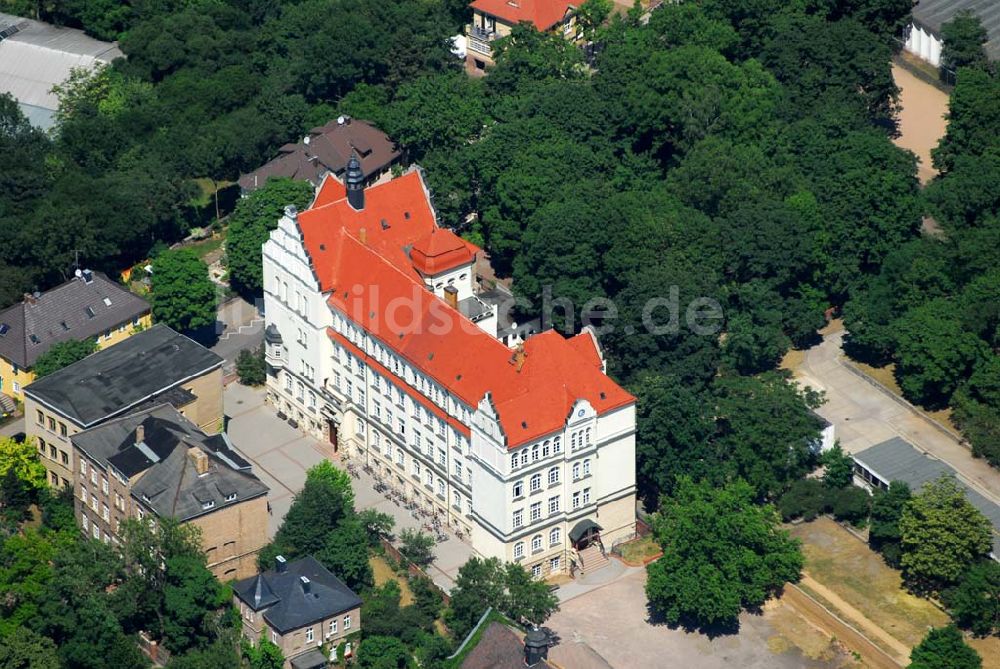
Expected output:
(107, 301)
(34, 339)
(90, 312)
(4, 329)
(64, 326)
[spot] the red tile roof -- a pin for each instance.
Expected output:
(543, 14)
(441, 250)
(374, 283)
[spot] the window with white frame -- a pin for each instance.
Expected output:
(519, 550)
(104, 485)
(553, 475)
(274, 637)
(586, 495)
(458, 470)
(576, 500)
(554, 563)
(576, 470)
(518, 489)
(555, 536)
(536, 511)
(84, 521)
(83, 467)
(534, 452)
(513, 462)
(536, 571)
(96, 531)
(546, 448)
(416, 468)
(518, 518)
(441, 488)
(536, 482)
(309, 635)
(429, 478)
(347, 622)
(557, 445)
(442, 458)
(524, 457)
(400, 457)
(586, 467)
(333, 628)
(588, 438)
(536, 543)
(553, 505)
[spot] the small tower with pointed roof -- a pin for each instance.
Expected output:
(354, 180)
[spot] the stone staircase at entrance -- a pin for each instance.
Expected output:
(593, 559)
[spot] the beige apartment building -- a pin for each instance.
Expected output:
(152, 367)
(301, 607)
(494, 19)
(155, 462)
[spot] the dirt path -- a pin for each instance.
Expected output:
(921, 120)
(857, 618)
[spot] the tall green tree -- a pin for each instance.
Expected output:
(192, 599)
(722, 553)
(941, 534)
(944, 647)
(183, 295)
(887, 508)
(251, 223)
(26, 649)
(22, 459)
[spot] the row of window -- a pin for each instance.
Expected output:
(50, 423)
(535, 452)
(55, 454)
(579, 498)
(555, 538)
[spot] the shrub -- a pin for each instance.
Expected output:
(806, 499)
(251, 368)
(851, 504)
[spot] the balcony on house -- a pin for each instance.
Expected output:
(480, 39)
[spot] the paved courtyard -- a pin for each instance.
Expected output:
(865, 415)
(281, 455)
(608, 627)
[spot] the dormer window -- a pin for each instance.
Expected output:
(230, 498)
(4, 329)
(90, 312)
(208, 505)
(34, 339)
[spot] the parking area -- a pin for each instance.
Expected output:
(612, 622)
(281, 455)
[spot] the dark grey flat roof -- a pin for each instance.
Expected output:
(932, 14)
(898, 460)
(74, 310)
(169, 483)
(286, 604)
(117, 379)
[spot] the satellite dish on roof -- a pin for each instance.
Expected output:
(78, 273)
(340, 120)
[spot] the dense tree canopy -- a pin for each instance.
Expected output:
(722, 553)
(183, 295)
(944, 647)
(941, 535)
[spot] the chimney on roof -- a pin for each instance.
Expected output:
(518, 357)
(292, 212)
(306, 584)
(451, 296)
(29, 298)
(199, 459)
(88, 276)
(140, 433)
(363, 236)
(354, 179)
(280, 564)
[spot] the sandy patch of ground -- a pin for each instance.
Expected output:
(921, 118)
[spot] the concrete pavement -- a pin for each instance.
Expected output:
(865, 415)
(281, 455)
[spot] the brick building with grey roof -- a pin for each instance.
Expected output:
(326, 149)
(298, 606)
(155, 462)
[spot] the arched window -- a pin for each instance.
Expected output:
(555, 536)
(586, 467)
(553, 475)
(576, 470)
(534, 452)
(588, 439)
(536, 543)
(513, 461)
(519, 550)
(536, 482)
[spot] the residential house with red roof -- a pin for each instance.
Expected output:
(379, 343)
(493, 19)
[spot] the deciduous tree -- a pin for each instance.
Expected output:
(62, 354)
(944, 647)
(183, 295)
(722, 553)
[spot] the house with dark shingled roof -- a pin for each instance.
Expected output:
(156, 463)
(301, 607)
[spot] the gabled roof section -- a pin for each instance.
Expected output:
(542, 14)
(168, 481)
(372, 264)
(75, 310)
